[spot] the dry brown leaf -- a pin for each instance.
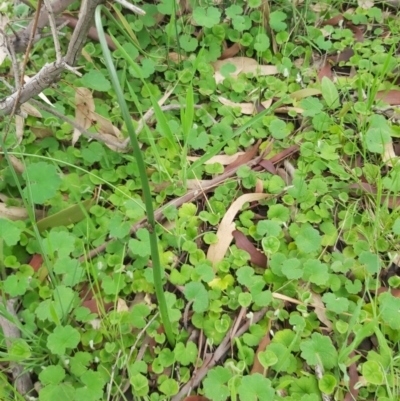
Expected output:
(217, 251)
(176, 57)
(36, 262)
(265, 341)
(256, 256)
(222, 159)
(245, 108)
(259, 186)
(389, 156)
(105, 126)
(391, 97)
(320, 310)
(334, 20)
(15, 212)
(84, 107)
(303, 93)
(286, 109)
(325, 71)
(319, 7)
(344, 55)
(42, 132)
(30, 110)
(122, 306)
(230, 51)
(267, 103)
(365, 4)
(246, 157)
(19, 167)
(243, 65)
(19, 128)
(354, 379)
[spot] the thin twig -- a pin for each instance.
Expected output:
(21, 77)
(212, 360)
(51, 73)
(13, 57)
(53, 28)
(109, 385)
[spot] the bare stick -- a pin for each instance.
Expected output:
(54, 31)
(21, 39)
(212, 360)
(50, 73)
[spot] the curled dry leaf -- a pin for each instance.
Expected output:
(15, 212)
(243, 65)
(230, 51)
(30, 110)
(256, 256)
(19, 128)
(245, 108)
(320, 310)
(41, 132)
(246, 157)
(389, 155)
(217, 251)
(265, 341)
(19, 167)
(122, 306)
(84, 107)
(108, 131)
(267, 103)
(106, 127)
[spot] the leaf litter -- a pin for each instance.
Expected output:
(311, 189)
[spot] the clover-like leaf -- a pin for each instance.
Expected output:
(93, 386)
(63, 338)
(61, 391)
(214, 384)
(308, 239)
(52, 374)
(197, 293)
(319, 350)
(42, 182)
(96, 80)
(255, 387)
(9, 232)
(207, 17)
